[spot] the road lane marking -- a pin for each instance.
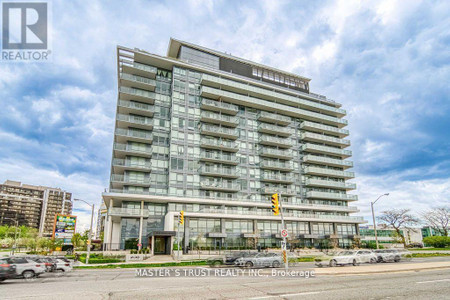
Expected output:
(439, 280)
(286, 295)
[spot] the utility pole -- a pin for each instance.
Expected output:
(88, 254)
(373, 217)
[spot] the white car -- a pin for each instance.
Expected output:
(348, 257)
(25, 268)
(63, 266)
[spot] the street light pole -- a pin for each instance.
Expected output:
(15, 232)
(373, 217)
(90, 230)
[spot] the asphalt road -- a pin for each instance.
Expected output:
(123, 284)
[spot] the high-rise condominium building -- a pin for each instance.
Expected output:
(215, 136)
(33, 206)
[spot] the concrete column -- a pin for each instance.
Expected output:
(186, 234)
(153, 245)
(223, 230)
(111, 203)
(141, 221)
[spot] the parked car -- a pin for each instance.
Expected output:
(347, 258)
(260, 260)
(25, 268)
(415, 245)
(388, 255)
(7, 270)
(63, 265)
(228, 259)
(50, 263)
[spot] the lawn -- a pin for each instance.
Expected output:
(429, 254)
(137, 265)
(430, 249)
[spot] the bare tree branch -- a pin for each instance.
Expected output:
(399, 219)
(438, 219)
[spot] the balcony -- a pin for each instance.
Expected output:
(219, 106)
(217, 118)
(271, 95)
(123, 135)
(122, 150)
(271, 106)
(326, 150)
(218, 144)
(274, 118)
(118, 180)
(330, 184)
(327, 161)
(137, 81)
(127, 212)
(219, 172)
(274, 129)
(127, 93)
(332, 196)
(276, 178)
(220, 186)
(229, 159)
(314, 137)
(276, 165)
(276, 153)
(320, 128)
(275, 141)
(134, 121)
(140, 70)
(130, 107)
(122, 164)
(328, 172)
(229, 133)
(274, 190)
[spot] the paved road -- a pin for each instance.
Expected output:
(122, 284)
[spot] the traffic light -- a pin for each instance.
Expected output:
(181, 219)
(275, 205)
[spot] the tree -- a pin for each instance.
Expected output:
(438, 219)
(77, 240)
(399, 219)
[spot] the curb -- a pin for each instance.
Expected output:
(383, 271)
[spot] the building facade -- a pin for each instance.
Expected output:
(388, 237)
(215, 136)
(33, 206)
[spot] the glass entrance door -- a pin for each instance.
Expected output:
(160, 245)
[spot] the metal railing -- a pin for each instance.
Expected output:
(133, 133)
(320, 148)
(127, 163)
(135, 119)
(307, 124)
(220, 117)
(329, 172)
(276, 152)
(137, 78)
(129, 148)
(327, 195)
(275, 117)
(321, 137)
(137, 92)
(219, 104)
(327, 160)
(275, 128)
(126, 179)
(276, 165)
(217, 142)
(136, 105)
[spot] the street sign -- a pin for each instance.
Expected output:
(284, 233)
(139, 245)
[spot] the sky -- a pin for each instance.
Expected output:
(386, 61)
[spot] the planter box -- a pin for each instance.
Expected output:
(135, 257)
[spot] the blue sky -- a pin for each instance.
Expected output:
(387, 62)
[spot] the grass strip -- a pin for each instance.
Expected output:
(140, 265)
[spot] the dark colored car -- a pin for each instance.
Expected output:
(230, 259)
(7, 270)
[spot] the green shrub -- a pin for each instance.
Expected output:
(103, 260)
(437, 241)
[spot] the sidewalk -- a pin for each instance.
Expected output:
(381, 268)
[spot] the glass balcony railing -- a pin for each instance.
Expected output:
(132, 133)
(125, 212)
(221, 157)
(276, 177)
(330, 183)
(274, 129)
(126, 179)
(138, 79)
(327, 161)
(276, 141)
(137, 106)
(126, 163)
(137, 92)
(144, 67)
(323, 138)
(218, 143)
(328, 172)
(214, 185)
(277, 153)
(219, 131)
(219, 118)
(274, 118)
(306, 125)
(129, 148)
(276, 165)
(135, 119)
(219, 171)
(326, 149)
(334, 196)
(274, 95)
(219, 105)
(274, 190)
